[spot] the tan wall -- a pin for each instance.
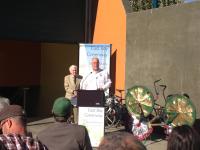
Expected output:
(110, 28)
(55, 61)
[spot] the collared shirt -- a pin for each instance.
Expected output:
(96, 80)
(19, 142)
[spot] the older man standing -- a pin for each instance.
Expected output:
(98, 79)
(71, 85)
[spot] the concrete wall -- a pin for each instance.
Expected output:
(165, 43)
(55, 61)
(110, 28)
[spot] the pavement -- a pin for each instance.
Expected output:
(155, 142)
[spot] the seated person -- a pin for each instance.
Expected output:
(13, 125)
(63, 135)
(120, 141)
(183, 138)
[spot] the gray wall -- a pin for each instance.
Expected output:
(165, 43)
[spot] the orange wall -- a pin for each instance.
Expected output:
(110, 27)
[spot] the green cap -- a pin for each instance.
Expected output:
(61, 107)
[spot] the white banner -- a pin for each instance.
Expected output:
(88, 51)
(93, 119)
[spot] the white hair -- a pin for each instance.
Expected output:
(4, 102)
(95, 58)
(72, 66)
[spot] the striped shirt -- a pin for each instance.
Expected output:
(19, 142)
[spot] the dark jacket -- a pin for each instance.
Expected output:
(64, 136)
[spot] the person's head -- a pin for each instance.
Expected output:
(4, 100)
(73, 70)
(13, 120)
(3, 105)
(95, 64)
(120, 141)
(183, 138)
(62, 109)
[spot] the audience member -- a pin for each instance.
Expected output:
(183, 138)
(4, 99)
(2, 105)
(2, 146)
(13, 125)
(120, 141)
(62, 135)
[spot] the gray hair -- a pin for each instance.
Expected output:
(4, 102)
(95, 58)
(72, 66)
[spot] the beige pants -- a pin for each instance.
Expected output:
(74, 117)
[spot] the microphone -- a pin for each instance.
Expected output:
(82, 82)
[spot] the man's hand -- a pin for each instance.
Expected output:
(75, 92)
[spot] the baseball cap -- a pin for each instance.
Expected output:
(11, 111)
(61, 107)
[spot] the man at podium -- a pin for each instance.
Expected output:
(98, 79)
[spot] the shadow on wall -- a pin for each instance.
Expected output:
(113, 70)
(91, 17)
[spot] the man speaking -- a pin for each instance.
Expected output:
(98, 79)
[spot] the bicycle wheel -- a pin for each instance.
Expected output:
(139, 99)
(180, 110)
(110, 117)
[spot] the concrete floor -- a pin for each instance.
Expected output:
(156, 141)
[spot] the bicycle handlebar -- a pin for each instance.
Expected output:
(164, 86)
(163, 91)
(157, 81)
(155, 86)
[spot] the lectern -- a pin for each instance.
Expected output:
(90, 98)
(91, 113)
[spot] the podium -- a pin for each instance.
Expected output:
(90, 98)
(91, 113)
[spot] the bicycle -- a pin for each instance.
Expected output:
(114, 110)
(141, 104)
